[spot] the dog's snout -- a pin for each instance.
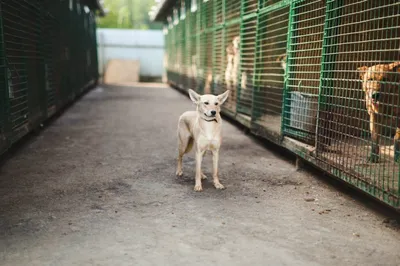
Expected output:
(376, 96)
(213, 112)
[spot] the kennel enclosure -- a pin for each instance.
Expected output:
(48, 55)
(317, 77)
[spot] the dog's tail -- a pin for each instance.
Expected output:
(189, 145)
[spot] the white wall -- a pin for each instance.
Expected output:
(147, 46)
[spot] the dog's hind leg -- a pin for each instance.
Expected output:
(179, 171)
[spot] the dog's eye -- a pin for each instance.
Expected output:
(376, 96)
(216, 103)
(206, 103)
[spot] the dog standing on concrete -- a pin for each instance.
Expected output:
(201, 129)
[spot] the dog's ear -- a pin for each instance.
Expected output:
(222, 97)
(194, 96)
(280, 58)
(394, 66)
(362, 70)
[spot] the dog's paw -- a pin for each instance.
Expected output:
(219, 186)
(198, 188)
(179, 173)
(203, 176)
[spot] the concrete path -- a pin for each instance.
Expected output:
(97, 187)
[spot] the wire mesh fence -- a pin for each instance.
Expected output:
(21, 29)
(52, 70)
(272, 41)
(359, 98)
(247, 62)
(323, 76)
(229, 66)
(304, 66)
(48, 56)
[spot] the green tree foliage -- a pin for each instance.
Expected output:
(128, 14)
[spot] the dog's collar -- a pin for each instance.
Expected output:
(210, 120)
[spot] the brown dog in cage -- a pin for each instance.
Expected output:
(282, 60)
(232, 67)
(208, 83)
(193, 66)
(381, 99)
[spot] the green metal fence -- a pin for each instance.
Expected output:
(48, 56)
(321, 78)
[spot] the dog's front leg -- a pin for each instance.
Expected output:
(397, 145)
(217, 184)
(199, 158)
(373, 125)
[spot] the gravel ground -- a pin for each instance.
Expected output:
(97, 187)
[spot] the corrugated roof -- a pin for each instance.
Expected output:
(160, 13)
(94, 5)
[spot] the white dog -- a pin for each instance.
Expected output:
(201, 129)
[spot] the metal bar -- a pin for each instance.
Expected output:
(4, 96)
(289, 55)
(279, 5)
